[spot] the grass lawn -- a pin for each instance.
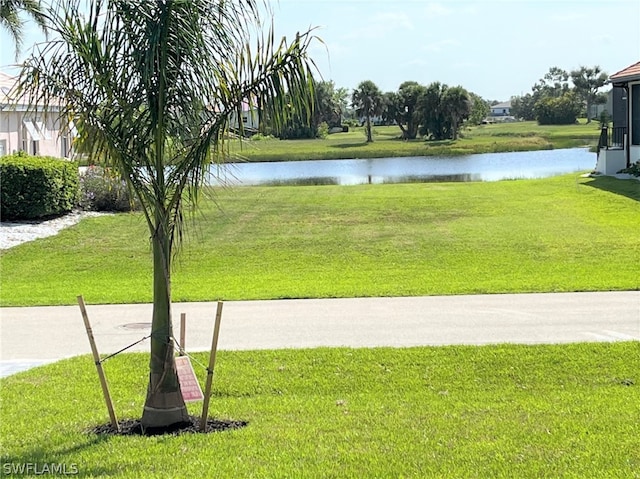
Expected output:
(499, 411)
(506, 411)
(520, 136)
(556, 234)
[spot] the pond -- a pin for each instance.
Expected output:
(482, 167)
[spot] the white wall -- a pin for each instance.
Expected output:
(16, 137)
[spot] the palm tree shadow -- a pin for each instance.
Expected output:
(629, 188)
(349, 145)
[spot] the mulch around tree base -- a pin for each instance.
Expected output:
(133, 427)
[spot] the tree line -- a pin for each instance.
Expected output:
(560, 97)
(437, 111)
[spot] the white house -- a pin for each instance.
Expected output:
(501, 109)
(619, 146)
(23, 129)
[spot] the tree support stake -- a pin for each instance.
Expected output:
(98, 362)
(212, 362)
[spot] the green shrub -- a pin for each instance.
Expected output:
(323, 130)
(103, 190)
(634, 169)
(35, 187)
(261, 137)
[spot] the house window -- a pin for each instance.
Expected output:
(64, 147)
(3, 147)
(30, 137)
(635, 114)
(24, 140)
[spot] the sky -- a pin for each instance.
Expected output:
(496, 49)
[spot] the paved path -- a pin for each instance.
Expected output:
(33, 336)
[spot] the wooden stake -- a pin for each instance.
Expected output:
(183, 327)
(96, 358)
(212, 362)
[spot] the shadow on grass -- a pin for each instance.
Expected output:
(345, 146)
(628, 188)
(40, 461)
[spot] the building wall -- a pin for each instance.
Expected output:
(15, 136)
(501, 111)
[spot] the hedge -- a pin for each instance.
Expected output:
(35, 187)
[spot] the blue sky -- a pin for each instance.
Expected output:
(496, 49)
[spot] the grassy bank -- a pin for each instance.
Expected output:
(520, 136)
(450, 412)
(557, 234)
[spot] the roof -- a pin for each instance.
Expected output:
(504, 104)
(7, 83)
(631, 73)
(8, 95)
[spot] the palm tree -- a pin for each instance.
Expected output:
(367, 100)
(409, 95)
(152, 85)
(11, 21)
(457, 107)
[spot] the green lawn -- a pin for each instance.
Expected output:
(557, 234)
(500, 411)
(506, 411)
(519, 136)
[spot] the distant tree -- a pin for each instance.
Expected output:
(407, 110)
(586, 83)
(327, 108)
(432, 118)
(523, 107)
(456, 106)
(552, 100)
(367, 100)
(390, 107)
(341, 100)
(562, 110)
(10, 18)
(480, 109)
(554, 83)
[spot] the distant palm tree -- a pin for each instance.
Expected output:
(409, 95)
(152, 85)
(457, 106)
(10, 18)
(367, 100)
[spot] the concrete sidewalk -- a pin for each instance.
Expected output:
(33, 336)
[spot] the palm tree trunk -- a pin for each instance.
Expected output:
(369, 135)
(164, 404)
(454, 127)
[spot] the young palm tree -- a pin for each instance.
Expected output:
(152, 86)
(367, 100)
(11, 21)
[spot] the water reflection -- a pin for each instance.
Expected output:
(485, 167)
(461, 177)
(312, 181)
